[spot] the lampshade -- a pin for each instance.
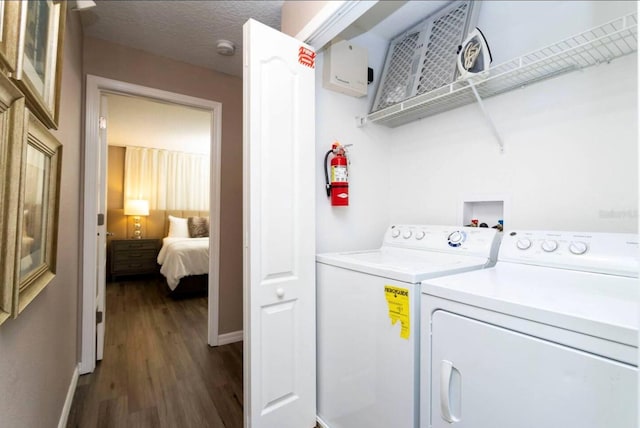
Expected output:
(84, 5)
(136, 207)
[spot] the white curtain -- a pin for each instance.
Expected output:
(168, 180)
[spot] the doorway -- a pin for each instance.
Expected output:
(94, 228)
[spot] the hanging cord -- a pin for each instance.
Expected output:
(470, 55)
(326, 173)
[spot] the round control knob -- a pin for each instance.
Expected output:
(455, 237)
(395, 233)
(407, 234)
(280, 293)
(420, 235)
(523, 244)
(549, 245)
(578, 247)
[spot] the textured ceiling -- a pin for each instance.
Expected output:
(183, 30)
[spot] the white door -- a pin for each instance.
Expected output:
(483, 376)
(101, 251)
(279, 230)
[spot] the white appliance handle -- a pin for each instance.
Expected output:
(446, 372)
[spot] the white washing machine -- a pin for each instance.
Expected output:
(546, 338)
(368, 321)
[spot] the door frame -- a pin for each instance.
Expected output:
(95, 86)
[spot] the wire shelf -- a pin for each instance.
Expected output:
(599, 45)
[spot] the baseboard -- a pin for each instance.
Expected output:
(64, 417)
(321, 423)
(226, 338)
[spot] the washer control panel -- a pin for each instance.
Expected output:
(471, 241)
(614, 253)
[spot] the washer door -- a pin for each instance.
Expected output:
(483, 376)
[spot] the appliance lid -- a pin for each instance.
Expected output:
(403, 264)
(599, 305)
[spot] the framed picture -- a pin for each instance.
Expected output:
(37, 226)
(39, 62)
(9, 26)
(12, 120)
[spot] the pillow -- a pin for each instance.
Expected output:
(178, 227)
(198, 227)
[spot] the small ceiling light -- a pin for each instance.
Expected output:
(225, 47)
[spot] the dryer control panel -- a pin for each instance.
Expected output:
(471, 241)
(611, 253)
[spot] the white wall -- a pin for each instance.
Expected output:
(514, 28)
(571, 157)
(363, 222)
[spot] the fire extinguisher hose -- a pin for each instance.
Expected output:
(326, 173)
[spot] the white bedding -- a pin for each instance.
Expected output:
(182, 257)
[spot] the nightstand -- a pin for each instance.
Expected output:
(134, 256)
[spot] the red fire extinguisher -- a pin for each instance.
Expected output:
(338, 188)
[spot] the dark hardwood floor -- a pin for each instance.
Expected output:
(158, 370)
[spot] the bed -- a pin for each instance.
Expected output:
(170, 224)
(184, 256)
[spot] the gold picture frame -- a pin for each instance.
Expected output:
(9, 26)
(12, 118)
(37, 215)
(39, 59)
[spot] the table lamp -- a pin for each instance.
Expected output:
(136, 208)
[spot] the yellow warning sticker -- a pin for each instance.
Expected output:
(398, 302)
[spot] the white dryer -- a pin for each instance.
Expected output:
(368, 321)
(546, 338)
